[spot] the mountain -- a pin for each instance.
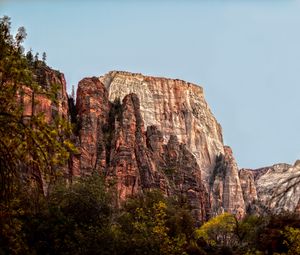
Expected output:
(277, 187)
(146, 132)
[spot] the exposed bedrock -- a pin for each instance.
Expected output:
(147, 132)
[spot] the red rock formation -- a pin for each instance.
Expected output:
(93, 111)
(128, 156)
(226, 192)
(175, 107)
(47, 78)
(164, 136)
(137, 160)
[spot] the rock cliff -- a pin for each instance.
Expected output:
(48, 79)
(278, 187)
(113, 140)
(175, 107)
(93, 110)
(225, 185)
(146, 132)
(249, 188)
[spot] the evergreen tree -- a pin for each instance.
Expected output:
(44, 57)
(29, 57)
(30, 148)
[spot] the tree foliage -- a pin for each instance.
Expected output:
(292, 240)
(147, 222)
(30, 148)
(219, 230)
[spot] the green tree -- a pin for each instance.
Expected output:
(292, 240)
(29, 57)
(33, 152)
(76, 220)
(44, 57)
(144, 226)
(30, 148)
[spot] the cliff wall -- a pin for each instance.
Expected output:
(175, 107)
(145, 132)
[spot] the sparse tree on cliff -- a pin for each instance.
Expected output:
(29, 146)
(44, 57)
(36, 60)
(29, 57)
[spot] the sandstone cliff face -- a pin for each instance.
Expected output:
(278, 187)
(113, 140)
(248, 187)
(93, 111)
(226, 190)
(180, 171)
(146, 132)
(176, 108)
(162, 135)
(129, 161)
(47, 78)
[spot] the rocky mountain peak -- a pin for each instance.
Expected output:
(147, 132)
(175, 107)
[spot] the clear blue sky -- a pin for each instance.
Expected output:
(245, 53)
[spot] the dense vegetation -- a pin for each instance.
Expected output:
(82, 218)
(42, 213)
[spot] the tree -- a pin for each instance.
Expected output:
(292, 236)
(44, 57)
(29, 57)
(219, 230)
(30, 148)
(36, 60)
(144, 229)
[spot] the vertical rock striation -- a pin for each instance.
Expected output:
(278, 187)
(114, 135)
(163, 135)
(226, 190)
(176, 108)
(93, 115)
(146, 132)
(248, 187)
(47, 78)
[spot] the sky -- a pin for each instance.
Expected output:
(244, 53)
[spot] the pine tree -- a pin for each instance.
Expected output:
(44, 57)
(30, 148)
(29, 57)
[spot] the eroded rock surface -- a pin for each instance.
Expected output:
(146, 132)
(163, 135)
(278, 187)
(113, 140)
(226, 190)
(175, 107)
(47, 78)
(248, 187)
(93, 110)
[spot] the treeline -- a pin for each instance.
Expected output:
(83, 218)
(41, 212)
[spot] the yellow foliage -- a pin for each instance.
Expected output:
(218, 230)
(292, 241)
